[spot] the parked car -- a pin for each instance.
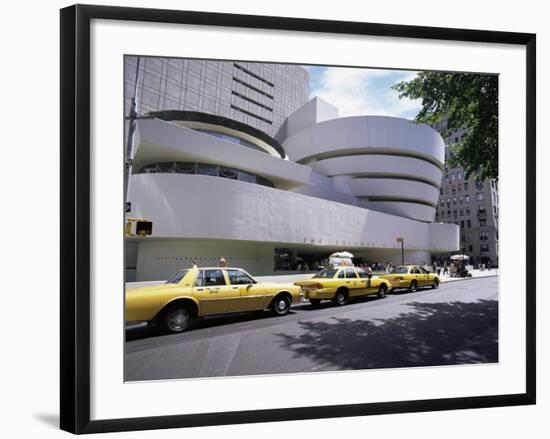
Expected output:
(342, 283)
(411, 277)
(197, 292)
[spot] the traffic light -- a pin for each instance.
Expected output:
(138, 227)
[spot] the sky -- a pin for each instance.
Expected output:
(358, 91)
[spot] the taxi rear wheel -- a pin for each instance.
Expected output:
(435, 284)
(413, 287)
(176, 318)
(281, 305)
(382, 290)
(341, 297)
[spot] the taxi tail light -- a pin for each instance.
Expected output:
(314, 286)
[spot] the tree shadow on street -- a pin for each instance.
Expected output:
(431, 334)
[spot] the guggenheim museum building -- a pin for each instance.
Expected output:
(233, 160)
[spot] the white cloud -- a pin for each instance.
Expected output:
(363, 91)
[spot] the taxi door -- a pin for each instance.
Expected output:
(213, 293)
(424, 277)
(418, 276)
(251, 294)
(355, 285)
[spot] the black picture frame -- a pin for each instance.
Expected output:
(75, 217)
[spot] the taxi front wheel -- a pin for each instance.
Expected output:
(281, 305)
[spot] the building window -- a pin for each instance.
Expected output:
(479, 185)
(467, 211)
(484, 247)
(460, 186)
(281, 259)
(454, 200)
(453, 190)
(468, 237)
(466, 198)
(468, 223)
(459, 175)
(446, 177)
(452, 177)
(441, 191)
(483, 236)
(479, 196)
(448, 202)
(204, 169)
(461, 212)
(460, 199)
(470, 248)
(442, 202)
(482, 222)
(462, 224)
(465, 184)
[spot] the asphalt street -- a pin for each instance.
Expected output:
(455, 324)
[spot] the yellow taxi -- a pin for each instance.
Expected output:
(411, 277)
(342, 283)
(198, 292)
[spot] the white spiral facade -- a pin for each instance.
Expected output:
(390, 164)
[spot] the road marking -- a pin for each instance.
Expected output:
(219, 355)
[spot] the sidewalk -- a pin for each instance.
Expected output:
(475, 274)
(290, 278)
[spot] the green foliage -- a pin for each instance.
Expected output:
(469, 101)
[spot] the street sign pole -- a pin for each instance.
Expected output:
(402, 241)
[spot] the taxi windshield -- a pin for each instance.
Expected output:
(176, 278)
(327, 273)
(400, 270)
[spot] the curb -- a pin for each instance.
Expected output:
(469, 278)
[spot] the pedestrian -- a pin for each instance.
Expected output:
(369, 274)
(445, 268)
(194, 263)
(222, 262)
(434, 266)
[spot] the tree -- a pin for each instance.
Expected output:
(468, 101)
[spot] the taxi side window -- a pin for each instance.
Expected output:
(416, 270)
(350, 273)
(199, 281)
(237, 277)
(210, 278)
(362, 274)
(341, 274)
